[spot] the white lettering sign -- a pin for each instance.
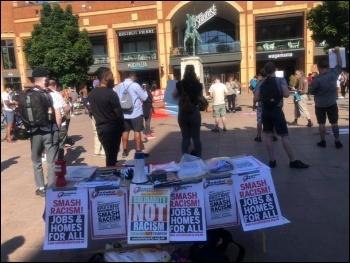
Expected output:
(282, 55)
(137, 65)
(136, 32)
(202, 18)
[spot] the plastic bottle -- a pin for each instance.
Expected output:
(139, 174)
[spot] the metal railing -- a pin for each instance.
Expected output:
(138, 56)
(101, 59)
(208, 48)
(293, 43)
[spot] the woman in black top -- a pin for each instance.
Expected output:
(190, 123)
(147, 107)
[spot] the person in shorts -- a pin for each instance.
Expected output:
(9, 111)
(133, 121)
(275, 119)
(218, 91)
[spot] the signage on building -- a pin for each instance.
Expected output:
(137, 65)
(202, 18)
(145, 31)
(280, 55)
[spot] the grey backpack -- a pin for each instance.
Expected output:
(126, 101)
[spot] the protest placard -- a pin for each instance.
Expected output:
(108, 213)
(66, 219)
(220, 203)
(148, 214)
(257, 200)
(187, 213)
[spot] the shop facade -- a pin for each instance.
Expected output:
(237, 37)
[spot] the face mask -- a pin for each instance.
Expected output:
(110, 83)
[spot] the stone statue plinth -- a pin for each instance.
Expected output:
(198, 67)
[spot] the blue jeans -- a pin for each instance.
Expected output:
(190, 126)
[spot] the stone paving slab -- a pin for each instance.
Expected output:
(315, 200)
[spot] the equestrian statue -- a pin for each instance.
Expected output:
(191, 33)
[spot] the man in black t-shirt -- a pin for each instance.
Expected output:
(107, 112)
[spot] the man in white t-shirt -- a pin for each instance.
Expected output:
(218, 91)
(9, 111)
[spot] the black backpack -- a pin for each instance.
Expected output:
(215, 248)
(270, 93)
(185, 102)
(34, 106)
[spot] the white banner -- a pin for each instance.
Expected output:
(108, 213)
(66, 219)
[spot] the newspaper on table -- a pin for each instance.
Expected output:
(220, 203)
(247, 163)
(108, 212)
(257, 200)
(66, 219)
(187, 213)
(109, 176)
(79, 172)
(148, 215)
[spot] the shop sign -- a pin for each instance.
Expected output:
(202, 18)
(145, 31)
(280, 55)
(137, 65)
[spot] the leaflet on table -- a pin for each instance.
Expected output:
(79, 172)
(148, 214)
(103, 177)
(247, 163)
(187, 213)
(257, 200)
(169, 179)
(220, 202)
(66, 219)
(168, 167)
(191, 169)
(108, 213)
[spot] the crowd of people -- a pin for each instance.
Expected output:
(112, 125)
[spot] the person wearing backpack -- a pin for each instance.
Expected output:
(133, 118)
(45, 129)
(271, 93)
(189, 118)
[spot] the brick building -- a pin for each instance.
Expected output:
(238, 37)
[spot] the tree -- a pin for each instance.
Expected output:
(58, 45)
(330, 22)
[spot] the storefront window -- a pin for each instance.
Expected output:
(16, 84)
(100, 52)
(8, 54)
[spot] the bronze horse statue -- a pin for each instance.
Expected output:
(191, 33)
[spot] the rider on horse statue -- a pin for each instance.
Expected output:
(191, 32)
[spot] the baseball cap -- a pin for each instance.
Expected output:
(40, 72)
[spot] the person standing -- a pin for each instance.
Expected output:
(147, 108)
(300, 105)
(343, 83)
(218, 91)
(258, 109)
(9, 111)
(190, 122)
(45, 137)
(107, 113)
(325, 93)
(65, 110)
(231, 94)
(84, 96)
(274, 118)
(73, 97)
(134, 120)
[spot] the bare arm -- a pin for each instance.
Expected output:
(337, 52)
(58, 117)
